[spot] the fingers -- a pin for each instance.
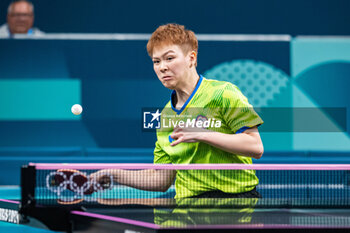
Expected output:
(176, 135)
(179, 132)
(105, 181)
(180, 137)
(177, 129)
(174, 143)
(103, 177)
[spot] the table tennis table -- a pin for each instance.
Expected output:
(132, 218)
(135, 212)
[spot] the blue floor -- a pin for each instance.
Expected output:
(13, 193)
(14, 228)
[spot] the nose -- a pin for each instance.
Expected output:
(163, 67)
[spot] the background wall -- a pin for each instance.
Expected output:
(113, 78)
(298, 17)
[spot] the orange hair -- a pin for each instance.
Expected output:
(173, 34)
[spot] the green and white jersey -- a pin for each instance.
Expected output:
(218, 106)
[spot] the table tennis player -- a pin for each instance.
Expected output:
(227, 131)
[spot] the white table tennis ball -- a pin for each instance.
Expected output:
(77, 109)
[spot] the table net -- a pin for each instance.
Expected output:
(309, 186)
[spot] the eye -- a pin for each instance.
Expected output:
(155, 62)
(169, 58)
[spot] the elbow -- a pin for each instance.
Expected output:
(258, 155)
(163, 180)
(165, 187)
(259, 151)
(256, 147)
(162, 188)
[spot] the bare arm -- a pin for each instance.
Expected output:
(247, 143)
(151, 180)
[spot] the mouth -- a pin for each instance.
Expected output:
(166, 78)
(20, 25)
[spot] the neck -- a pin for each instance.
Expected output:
(185, 91)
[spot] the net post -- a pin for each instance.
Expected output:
(28, 178)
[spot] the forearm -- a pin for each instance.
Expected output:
(151, 180)
(247, 144)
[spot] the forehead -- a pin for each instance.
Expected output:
(21, 7)
(160, 50)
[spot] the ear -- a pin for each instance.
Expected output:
(193, 58)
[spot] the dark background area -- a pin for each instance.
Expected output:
(298, 17)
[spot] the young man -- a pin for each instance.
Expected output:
(223, 126)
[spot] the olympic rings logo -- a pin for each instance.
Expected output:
(78, 182)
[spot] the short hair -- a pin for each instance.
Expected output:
(173, 34)
(16, 1)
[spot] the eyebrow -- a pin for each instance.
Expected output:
(169, 51)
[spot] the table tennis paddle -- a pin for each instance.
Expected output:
(78, 181)
(69, 202)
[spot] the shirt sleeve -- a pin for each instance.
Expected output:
(237, 113)
(160, 157)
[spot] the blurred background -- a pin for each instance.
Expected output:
(289, 56)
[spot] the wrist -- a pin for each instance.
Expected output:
(203, 136)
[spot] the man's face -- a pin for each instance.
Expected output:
(170, 65)
(20, 18)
